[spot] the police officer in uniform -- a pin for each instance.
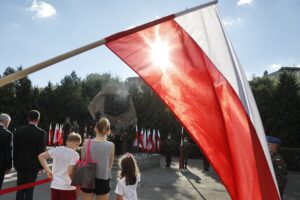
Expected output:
(278, 163)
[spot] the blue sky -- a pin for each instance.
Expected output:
(264, 33)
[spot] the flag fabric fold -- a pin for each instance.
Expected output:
(189, 63)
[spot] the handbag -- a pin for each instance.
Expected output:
(85, 171)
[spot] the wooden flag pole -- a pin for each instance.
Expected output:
(25, 72)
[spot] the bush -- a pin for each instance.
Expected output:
(291, 157)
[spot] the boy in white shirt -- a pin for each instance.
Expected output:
(64, 160)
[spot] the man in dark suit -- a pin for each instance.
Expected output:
(5, 147)
(29, 142)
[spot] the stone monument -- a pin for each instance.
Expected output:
(115, 103)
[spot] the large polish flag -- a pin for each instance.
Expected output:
(188, 60)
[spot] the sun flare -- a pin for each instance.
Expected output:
(160, 54)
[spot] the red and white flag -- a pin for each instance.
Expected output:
(56, 134)
(153, 150)
(145, 141)
(188, 60)
(149, 141)
(141, 141)
(158, 141)
(50, 135)
(61, 138)
(136, 142)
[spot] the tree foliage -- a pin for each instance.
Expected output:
(279, 107)
(278, 103)
(152, 113)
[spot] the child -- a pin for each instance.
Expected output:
(130, 176)
(64, 160)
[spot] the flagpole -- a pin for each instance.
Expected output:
(25, 72)
(155, 22)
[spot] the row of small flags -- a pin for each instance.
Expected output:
(56, 138)
(147, 141)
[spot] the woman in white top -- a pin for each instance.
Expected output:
(130, 176)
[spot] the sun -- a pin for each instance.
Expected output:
(160, 54)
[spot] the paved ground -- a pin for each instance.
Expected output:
(169, 183)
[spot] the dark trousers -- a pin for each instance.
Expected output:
(281, 190)
(185, 162)
(2, 173)
(168, 159)
(205, 164)
(118, 145)
(26, 176)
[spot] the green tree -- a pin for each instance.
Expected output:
(24, 99)
(47, 105)
(264, 90)
(69, 99)
(153, 113)
(287, 110)
(8, 97)
(93, 83)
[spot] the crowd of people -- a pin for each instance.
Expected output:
(30, 157)
(26, 152)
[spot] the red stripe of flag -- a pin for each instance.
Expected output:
(204, 102)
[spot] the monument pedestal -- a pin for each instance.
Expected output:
(147, 161)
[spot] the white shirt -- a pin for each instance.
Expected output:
(128, 192)
(63, 157)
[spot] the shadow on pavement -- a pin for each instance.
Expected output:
(191, 176)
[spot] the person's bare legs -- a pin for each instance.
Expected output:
(102, 197)
(87, 196)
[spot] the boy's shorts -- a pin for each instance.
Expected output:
(63, 194)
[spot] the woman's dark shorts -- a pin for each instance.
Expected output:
(101, 187)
